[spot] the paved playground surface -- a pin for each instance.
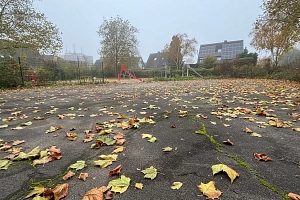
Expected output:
(194, 118)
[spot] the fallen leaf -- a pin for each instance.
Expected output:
(167, 149)
(17, 142)
(139, 185)
(221, 167)
(228, 142)
(115, 171)
(176, 185)
(153, 139)
(120, 141)
(119, 135)
(150, 172)
(4, 164)
(37, 190)
(60, 191)
(95, 194)
(261, 156)
(294, 196)
(83, 176)
(248, 130)
(68, 175)
(209, 190)
(256, 134)
(80, 164)
(119, 185)
(119, 149)
(4, 126)
(173, 126)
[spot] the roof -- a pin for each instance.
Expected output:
(156, 60)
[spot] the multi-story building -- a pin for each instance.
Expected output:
(226, 50)
(78, 57)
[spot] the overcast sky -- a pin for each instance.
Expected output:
(209, 21)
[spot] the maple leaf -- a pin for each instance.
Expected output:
(119, 185)
(152, 139)
(119, 135)
(60, 191)
(261, 156)
(119, 149)
(4, 164)
(209, 190)
(104, 140)
(68, 175)
(294, 196)
(83, 176)
(221, 167)
(150, 172)
(80, 164)
(37, 190)
(95, 194)
(176, 185)
(71, 136)
(120, 141)
(115, 171)
(167, 149)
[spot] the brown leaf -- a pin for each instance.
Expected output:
(95, 194)
(115, 171)
(83, 176)
(119, 135)
(173, 126)
(68, 175)
(261, 156)
(294, 196)
(38, 118)
(61, 191)
(248, 130)
(228, 142)
(120, 141)
(108, 195)
(119, 149)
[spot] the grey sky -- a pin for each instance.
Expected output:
(209, 21)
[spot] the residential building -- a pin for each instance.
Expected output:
(156, 60)
(78, 57)
(226, 50)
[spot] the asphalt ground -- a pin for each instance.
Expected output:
(222, 109)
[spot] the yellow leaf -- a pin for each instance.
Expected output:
(150, 172)
(209, 190)
(221, 167)
(119, 185)
(167, 149)
(176, 185)
(37, 190)
(139, 185)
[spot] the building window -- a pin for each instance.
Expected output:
(219, 50)
(218, 58)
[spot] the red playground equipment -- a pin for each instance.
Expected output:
(124, 69)
(32, 76)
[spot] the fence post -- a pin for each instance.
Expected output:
(21, 72)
